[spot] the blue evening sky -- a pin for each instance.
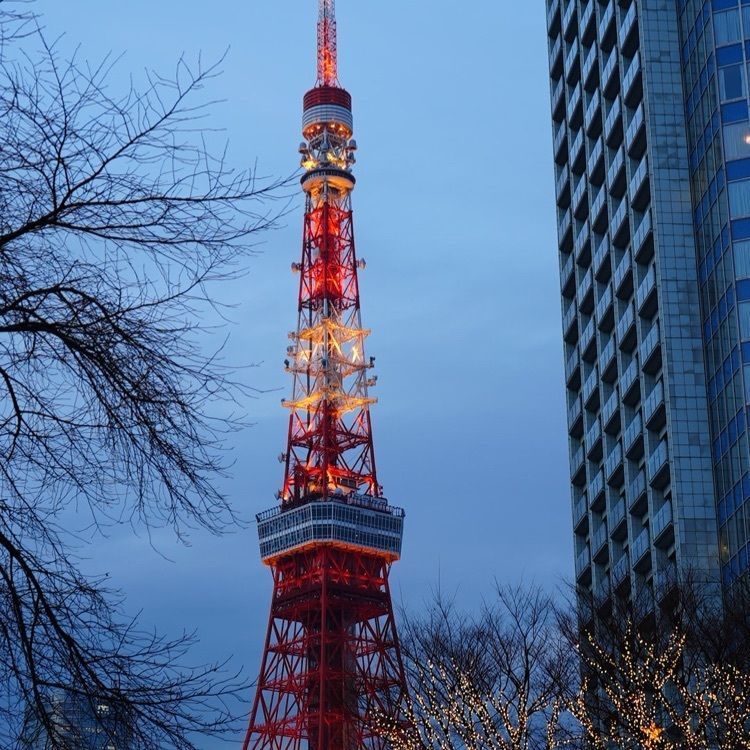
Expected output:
(455, 217)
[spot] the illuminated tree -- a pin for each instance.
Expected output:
(490, 682)
(665, 679)
(630, 688)
(525, 674)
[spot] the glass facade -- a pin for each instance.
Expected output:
(355, 520)
(81, 724)
(642, 455)
(715, 50)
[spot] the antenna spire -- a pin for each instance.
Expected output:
(327, 54)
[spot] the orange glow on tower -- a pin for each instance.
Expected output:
(331, 663)
(327, 51)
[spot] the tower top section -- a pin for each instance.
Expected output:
(327, 52)
(327, 107)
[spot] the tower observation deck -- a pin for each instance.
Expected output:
(331, 663)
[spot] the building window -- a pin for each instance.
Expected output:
(743, 309)
(727, 26)
(742, 260)
(737, 140)
(732, 82)
(739, 198)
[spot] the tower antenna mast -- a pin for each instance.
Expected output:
(327, 51)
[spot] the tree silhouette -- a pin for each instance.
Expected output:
(116, 218)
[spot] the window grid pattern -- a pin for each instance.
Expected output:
(642, 488)
(83, 725)
(323, 521)
(715, 42)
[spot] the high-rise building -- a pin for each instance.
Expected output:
(651, 145)
(80, 724)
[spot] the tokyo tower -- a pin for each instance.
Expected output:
(331, 664)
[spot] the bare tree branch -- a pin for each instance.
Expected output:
(116, 219)
(663, 678)
(486, 682)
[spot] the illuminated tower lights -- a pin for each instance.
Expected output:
(331, 663)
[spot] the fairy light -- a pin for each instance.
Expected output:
(650, 702)
(447, 704)
(655, 703)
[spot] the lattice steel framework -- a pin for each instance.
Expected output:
(330, 436)
(331, 662)
(331, 659)
(327, 44)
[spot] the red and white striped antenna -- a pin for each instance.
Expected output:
(327, 53)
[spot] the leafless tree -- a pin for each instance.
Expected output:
(663, 678)
(116, 217)
(532, 673)
(486, 682)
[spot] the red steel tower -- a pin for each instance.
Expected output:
(331, 662)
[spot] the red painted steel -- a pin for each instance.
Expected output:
(330, 446)
(331, 662)
(327, 53)
(327, 95)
